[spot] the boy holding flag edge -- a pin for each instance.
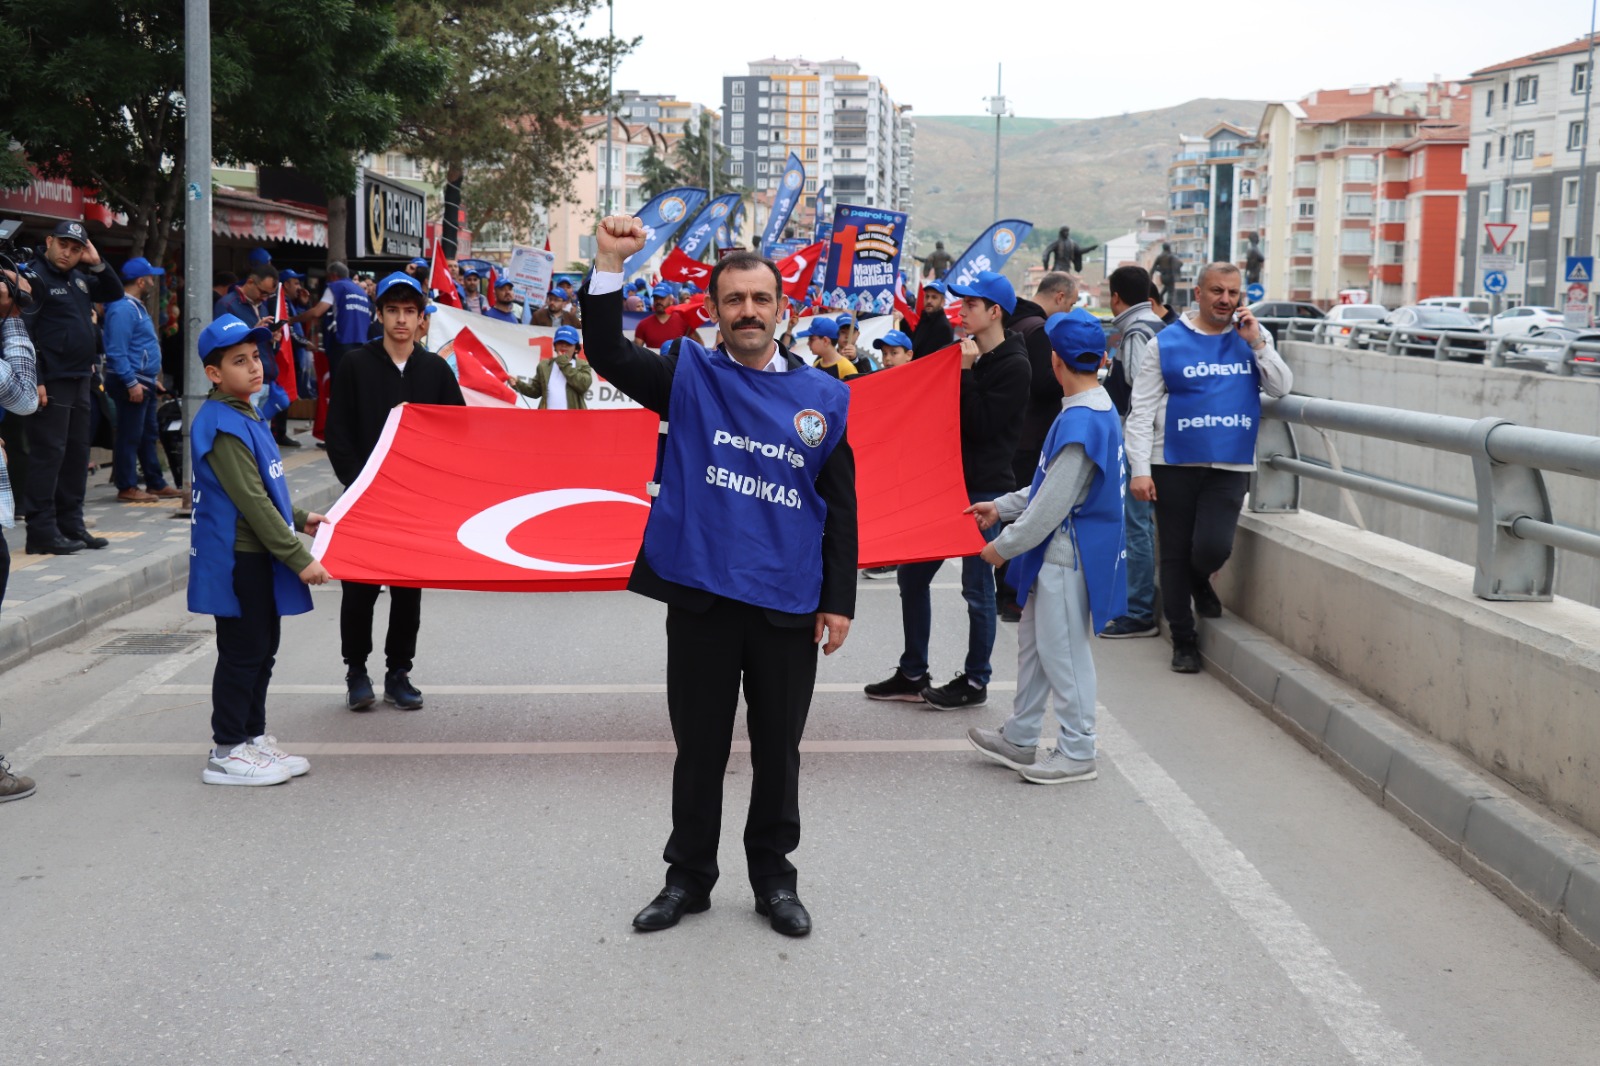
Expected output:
(1068, 564)
(246, 566)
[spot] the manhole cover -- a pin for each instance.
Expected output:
(149, 643)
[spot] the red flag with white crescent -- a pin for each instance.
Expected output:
(439, 279)
(903, 306)
(677, 266)
(523, 501)
(798, 269)
(478, 370)
(288, 376)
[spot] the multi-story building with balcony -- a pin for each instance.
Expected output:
(1324, 163)
(1523, 167)
(1211, 201)
(843, 125)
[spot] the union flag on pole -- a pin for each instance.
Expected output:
(497, 499)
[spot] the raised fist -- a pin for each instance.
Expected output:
(617, 237)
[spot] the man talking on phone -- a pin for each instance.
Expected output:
(1191, 440)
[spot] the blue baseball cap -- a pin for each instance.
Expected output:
(1077, 337)
(258, 256)
(936, 285)
(227, 331)
(502, 281)
(290, 274)
(472, 272)
(893, 337)
(663, 290)
(821, 326)
(568, 335)
(140, 267)
(990, 286)
(430, 309)
(418, 262)
(400, 279)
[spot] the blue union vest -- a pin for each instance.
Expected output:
(1213, 397)
(738, 513)
(215, 520)
(1096, 525)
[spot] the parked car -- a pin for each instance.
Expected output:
(1476, 306)
(1422, 327)
(1274, 312)
(1547, 357)
(1526, 319)
(1342, 316)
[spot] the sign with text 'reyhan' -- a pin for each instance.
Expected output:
(863, 259)
(388, 219)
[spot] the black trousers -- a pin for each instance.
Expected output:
(247, 647)
(1197, 511)
(355, 626)
(58, 460)
(709, 656)
(5, 564)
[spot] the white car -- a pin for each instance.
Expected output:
(1523, 320)
(1342, 316)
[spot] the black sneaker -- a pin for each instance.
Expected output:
(1127, 626)
(57, 546)
(89, 540)
(1206, 603)
(959, 695)
(899, 687)
(398, 690)
(1186, 657)
(878, 573)
(361, 697)
(1008, 612)
(286, 441)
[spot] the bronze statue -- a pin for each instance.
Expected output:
(1166, 266)
(1065, 253)
(1253, 260)
(938, 264)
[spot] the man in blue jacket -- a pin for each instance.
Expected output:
(133, 381)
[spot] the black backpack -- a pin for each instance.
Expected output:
(1117, 383)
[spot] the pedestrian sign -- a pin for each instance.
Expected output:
(1580, 268)
(1494, 282)
(1256, 291)
(1499, 233)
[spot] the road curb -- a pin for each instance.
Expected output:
(1542, 869)
(65, 614)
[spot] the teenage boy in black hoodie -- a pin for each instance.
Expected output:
(372, 380)
(995, 378)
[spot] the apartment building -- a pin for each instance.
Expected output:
(1322, 162)
(843, 125)
(1418, 217)
(1527, 137)
(1212, 201)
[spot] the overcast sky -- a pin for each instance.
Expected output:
(1084, 60)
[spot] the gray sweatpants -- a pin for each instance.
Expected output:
(1053, 642)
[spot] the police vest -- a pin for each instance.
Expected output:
(215, 522)
(1213, 397)
(738, 513)
(1095, 525)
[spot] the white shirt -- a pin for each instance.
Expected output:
(555, 390)
(602, 282)
(1144, 435)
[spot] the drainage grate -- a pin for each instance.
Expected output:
(149, 643)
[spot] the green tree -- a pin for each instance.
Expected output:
(659, 175)
(93, 92)
(699, 154)
(509, 123)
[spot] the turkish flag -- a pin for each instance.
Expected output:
(907, 312)
(439, 279)
(288, 372)
(677, 266)
(799, 268)
(693, 311)
(521, 501)
(479, 371)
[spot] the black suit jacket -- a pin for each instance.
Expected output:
(647, 378)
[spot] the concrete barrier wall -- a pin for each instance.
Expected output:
(1447, 388)
(1513, 686)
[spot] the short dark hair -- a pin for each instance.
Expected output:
(224, 277)
(261, 270)
(1130, 284)
(743, 261)
(396, 293)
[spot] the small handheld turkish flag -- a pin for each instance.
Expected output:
(287, 371)
(439, 279)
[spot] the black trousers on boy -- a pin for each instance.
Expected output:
(247, 647)
(356, 607)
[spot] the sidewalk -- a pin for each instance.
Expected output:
(51, 599)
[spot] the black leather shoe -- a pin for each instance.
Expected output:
(666, 909)
(58, 546)
(785, 911)
(89, 540)
(1206, 603)
(398, 690)
(359, 694)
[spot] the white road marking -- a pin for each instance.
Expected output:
(509, 747)
(507, 690)
(1355, 1019)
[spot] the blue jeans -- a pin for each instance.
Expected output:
(916, 609)
(1140, 523)
(134, 452)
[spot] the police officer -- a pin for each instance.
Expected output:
(67, 281)
(751, 543)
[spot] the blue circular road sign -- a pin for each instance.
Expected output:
(1494, 281)
(1256, 292)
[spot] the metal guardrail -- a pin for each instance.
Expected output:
(1517, 531)
(1564, 358)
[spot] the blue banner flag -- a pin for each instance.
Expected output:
(701, 233)
(864, 259)
(662, 217)
(990, 251)
(728, 231)
(790, 186)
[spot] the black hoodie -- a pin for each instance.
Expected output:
(1044, 391)
(993, 395)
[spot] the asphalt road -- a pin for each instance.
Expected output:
(456, 885)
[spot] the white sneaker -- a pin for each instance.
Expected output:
(244, 765)
(268, 746)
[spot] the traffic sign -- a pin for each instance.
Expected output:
(1255, 291)
(1501, 262)
(1576, 313)
(1580, 268)
(1499, 233)
(1494, 281)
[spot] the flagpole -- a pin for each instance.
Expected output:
(611, 118)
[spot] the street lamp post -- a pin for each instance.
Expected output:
(1581, 242)
(611, 102)
(997, 108)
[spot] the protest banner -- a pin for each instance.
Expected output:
(530, 272)
(663, 216)
(990, 251)
(864, 259)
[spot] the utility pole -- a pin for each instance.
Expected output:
(611, 103)
(997, 108)
(197, 200)
(1581, 244)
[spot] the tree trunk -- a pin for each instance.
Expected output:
(450, 223)
(338, 213)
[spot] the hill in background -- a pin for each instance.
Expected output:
(1094, 175)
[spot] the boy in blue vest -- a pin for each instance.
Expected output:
(1068, 563)
(246, 566)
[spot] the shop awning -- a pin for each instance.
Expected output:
(249, 217)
